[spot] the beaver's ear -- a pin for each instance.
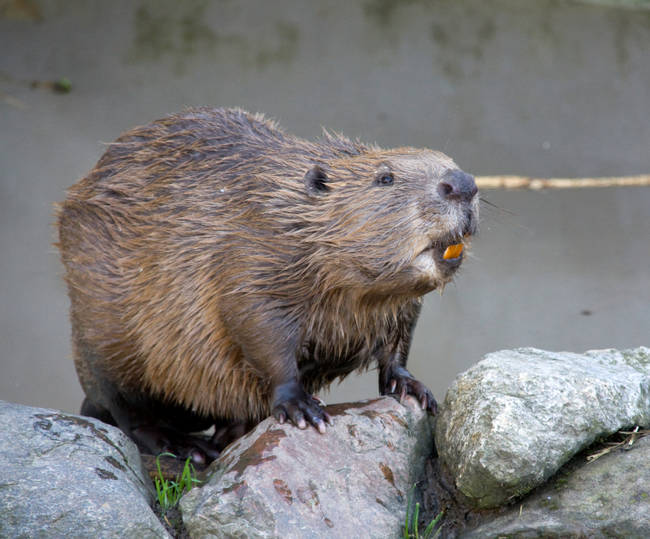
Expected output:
(316, 181)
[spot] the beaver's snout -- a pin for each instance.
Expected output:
(457, 185)
(458, 190)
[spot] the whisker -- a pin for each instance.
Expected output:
(491, 204)
(498, 212)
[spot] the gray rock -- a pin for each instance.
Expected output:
(66, 475)
(609, 497)
(353, 481)
(510, 422)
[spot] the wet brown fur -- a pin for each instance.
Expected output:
(196, 259)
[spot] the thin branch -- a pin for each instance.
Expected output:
(522, 182)
(631, 437)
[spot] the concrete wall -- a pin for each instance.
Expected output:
(541, 88)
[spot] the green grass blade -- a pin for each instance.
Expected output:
(416, 516)
(429, 529)
(407, 533)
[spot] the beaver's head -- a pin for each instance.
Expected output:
(386, 219)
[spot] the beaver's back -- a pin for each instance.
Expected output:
(201, 148)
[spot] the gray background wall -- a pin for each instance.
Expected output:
(540, 88)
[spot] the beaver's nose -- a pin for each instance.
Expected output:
(457, 185)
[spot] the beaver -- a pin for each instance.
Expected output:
(221, 270)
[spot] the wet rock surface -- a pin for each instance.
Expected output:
(280, 481)
(609, 497)
(66, 475)
(511, 421)
(511, 436)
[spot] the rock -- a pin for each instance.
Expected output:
(353, 481)
(609, 497)
(511, 421)
(66, 475)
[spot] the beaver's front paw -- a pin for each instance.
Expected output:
(292, 402)
(396, 380)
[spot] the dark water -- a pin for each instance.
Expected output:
(539, 88)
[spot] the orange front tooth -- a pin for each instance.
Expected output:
(453, 251)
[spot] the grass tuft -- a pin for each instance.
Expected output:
(169, 492)
(411, 526)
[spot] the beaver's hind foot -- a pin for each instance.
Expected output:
(155, 439)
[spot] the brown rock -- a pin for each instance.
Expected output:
(279, 481)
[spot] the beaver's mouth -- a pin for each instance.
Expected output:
(448, 252)
(441, 259)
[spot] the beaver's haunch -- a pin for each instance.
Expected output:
(221, 270)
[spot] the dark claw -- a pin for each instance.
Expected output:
(197, 457)
(319, 424)
(433, 406)
(318, 401)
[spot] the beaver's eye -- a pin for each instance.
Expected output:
(385, 178)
